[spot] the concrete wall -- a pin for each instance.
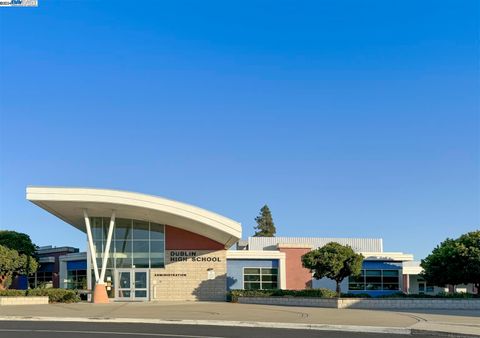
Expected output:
(235, 270)
(23, 300)
(187, 277)
(361, 303)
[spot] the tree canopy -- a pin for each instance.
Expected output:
(334, 261)
(18, 241)
(454, 261)
(12, 263)
(265, 226)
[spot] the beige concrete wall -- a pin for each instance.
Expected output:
(368, 303)
(190, 275)
(23, 300)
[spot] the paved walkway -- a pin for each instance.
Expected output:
(460, 322)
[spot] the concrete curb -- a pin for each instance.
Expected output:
(297, 326)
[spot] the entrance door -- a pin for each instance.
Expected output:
(132, 284)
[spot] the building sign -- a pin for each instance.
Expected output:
(170, 275)
(18, 3)
(193, 256)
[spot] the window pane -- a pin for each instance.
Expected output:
(356, 286)
(140, 247)
(157, 231)
(251, 271)
(140, 230)
(269, 278)
(390, 273)
(266, 286)
(157, 262)
(390, 279)
(372, 286)
(373, 272)
(156, 246)
(141, 262)
(123, 247)
(123, 229)
(251, 278)
(269, 271)
(390, 286)
(252, 286)
(96, 226)
(356, 279)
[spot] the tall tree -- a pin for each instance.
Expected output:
(469, 246)
(18, 241)
(454, 261)
(334, 261)
(443, 266)
(265, 226)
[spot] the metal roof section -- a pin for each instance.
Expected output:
(68, 204)
(358, 244)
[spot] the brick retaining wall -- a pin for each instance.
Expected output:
(23, 300)
(368, 303)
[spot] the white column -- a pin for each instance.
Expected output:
(107, 248)
(91, 246)
(283, 273)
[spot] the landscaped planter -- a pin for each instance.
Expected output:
(368, 303)
(34, 300)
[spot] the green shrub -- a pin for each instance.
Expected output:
(12, 293)
(320, 293)
(56, 295)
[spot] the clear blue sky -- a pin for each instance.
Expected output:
(348, 118)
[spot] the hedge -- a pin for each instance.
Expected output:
(54, 295)
(327, 293)
(12, 293)
(321, 293)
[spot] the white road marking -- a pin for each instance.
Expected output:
(109, 332)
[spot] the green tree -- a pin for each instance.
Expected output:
(334, 261)
(18, 241)
(265, 226)
(469, 246)
(454, 261)
(19, 254)
(12, 263)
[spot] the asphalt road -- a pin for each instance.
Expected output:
(32, 329)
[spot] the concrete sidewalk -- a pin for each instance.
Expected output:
(456, 322)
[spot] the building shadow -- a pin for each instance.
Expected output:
(212, 289)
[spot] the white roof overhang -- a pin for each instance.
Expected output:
(68, 204)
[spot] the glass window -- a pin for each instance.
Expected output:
(357, 282)
(140, 247)
(77, 279)
(157, 232)
(252, 286)
(123, 229)
(134, 242)
(260, 278)
(375, 280)
(141, 230)
(156, 246)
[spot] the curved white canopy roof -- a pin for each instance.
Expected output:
(68, 204)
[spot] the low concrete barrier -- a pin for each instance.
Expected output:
(368, 303)
(23, 300)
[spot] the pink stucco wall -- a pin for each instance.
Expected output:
(298, 278)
